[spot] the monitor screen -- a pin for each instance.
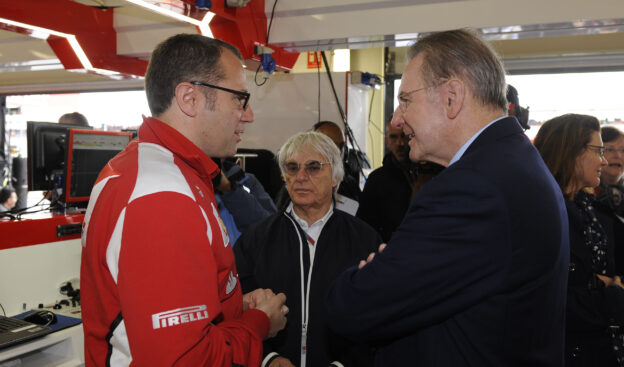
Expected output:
(88, 151)
(46, 154)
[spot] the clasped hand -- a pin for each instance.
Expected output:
(273, 305)
(371, 256)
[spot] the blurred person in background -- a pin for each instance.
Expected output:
(390, 188)
(74, 118)
(8, 198)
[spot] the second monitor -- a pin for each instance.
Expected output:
(88, 151)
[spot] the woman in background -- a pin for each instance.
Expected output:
(571, 147)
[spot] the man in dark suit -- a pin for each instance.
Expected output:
(476, 273)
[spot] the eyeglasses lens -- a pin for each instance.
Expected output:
(312, 168)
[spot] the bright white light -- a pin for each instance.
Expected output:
(82, 56)
(549, 95)
(203, 27)
(201, 24)
(342, 60)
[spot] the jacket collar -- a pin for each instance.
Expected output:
(501, 128)
(155, 131)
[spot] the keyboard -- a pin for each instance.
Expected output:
(14, 331)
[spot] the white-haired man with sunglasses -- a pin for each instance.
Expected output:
(301, 250)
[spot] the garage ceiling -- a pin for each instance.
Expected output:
(555, 35)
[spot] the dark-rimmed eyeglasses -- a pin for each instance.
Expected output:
(598, 148)
(312, 168)
(244, 96)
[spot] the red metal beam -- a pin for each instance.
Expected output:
(243, 27)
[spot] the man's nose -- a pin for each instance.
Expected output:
(301, 174)
(397, 119)
(248, 115)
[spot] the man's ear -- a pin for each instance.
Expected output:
(454, 97)
(187, 98)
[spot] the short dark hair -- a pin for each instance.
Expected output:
(320, 124)
(182, 58)
(5, 194)
(462, 53)
(74, 118)
(610, 133)
(560, 141)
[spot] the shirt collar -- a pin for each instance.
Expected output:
(464, 147)
(303, 223)
(155, 131)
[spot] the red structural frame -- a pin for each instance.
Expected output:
(93, 28)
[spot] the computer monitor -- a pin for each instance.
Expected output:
(47, 143)
(88, 151)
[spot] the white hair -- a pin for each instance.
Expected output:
(319, 143)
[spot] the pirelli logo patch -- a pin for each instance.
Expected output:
(179, 316)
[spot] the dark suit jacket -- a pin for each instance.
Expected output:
(476, 273)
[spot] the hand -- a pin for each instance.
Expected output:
(281, 362)
(224, 184)
(616, 280)
(371, 256)
(274, 307)
(251, 299)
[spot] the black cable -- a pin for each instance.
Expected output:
(270, 22)
(370, 104)
(267, 44)
(49, 207)
(318, 78)
(3, 311)
(19, 211)
(50, 315)
(348, 130)
(256, 76)
(8, 214)
(369, 122)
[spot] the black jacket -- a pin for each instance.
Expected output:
(385, 198)
(612, 224)
(268, 256)
(591, 307)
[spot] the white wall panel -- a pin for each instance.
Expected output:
(288, 104)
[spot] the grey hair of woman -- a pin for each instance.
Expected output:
(318, 143)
